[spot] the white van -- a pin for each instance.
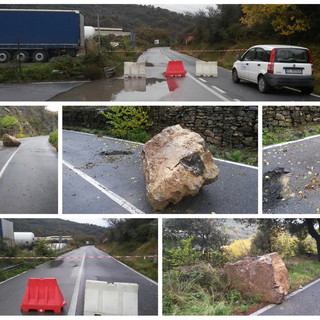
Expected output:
(273, 66)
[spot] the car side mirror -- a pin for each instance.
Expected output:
(238, 57)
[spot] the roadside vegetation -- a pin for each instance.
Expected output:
(248, 156)
(53, 139)
(134, 237)
(89, 66)
(279, 135)
(195, 251)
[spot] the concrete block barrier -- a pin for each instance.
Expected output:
(135, 69)
(206, 69)
(103, 298)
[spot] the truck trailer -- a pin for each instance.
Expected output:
(40, 34)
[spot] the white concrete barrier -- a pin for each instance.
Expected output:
(103, 298)
(135, 69)
(206, 69)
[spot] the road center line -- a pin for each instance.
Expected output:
(9, 160)
(74, 299)
(113, 196)
(220, 90)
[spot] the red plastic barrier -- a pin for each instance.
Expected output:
(175, 68)
(43, 295)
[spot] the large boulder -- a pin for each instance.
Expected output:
(265, 276)
(10, 141)
(176, 163)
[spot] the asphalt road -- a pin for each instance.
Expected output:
(36, 91)
(96, 183)
(190, 88)
(304, 302)
(71, 274)
(155, 87)
(302, 159)
(29, 177)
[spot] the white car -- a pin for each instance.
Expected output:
(276, 66)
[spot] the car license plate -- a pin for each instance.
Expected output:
(293, 71)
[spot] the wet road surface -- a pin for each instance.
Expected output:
(155, 87)
(94, 182)
(36, 91)
(29, 177)
(303, 302)
(78, 267)
(302, 159)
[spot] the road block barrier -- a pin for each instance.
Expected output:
(175, 69)
(206, 69)
(43, 295)
(103, 298)
(135, 69)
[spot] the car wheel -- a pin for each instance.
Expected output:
(235, 77)
(4, 56)
(263, 85)
(307, 90)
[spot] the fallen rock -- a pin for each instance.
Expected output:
(10, 141)
(176, 163)
(265, 276)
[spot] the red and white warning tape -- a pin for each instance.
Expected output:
(182, 51)
(61, 257)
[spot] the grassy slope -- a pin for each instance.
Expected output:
(148, 266)
(205, 292)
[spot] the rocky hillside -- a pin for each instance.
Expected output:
(27, 121)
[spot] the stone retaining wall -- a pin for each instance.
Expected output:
(235, 127)
(290, 116)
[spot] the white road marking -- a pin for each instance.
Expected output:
(286, 298)
(9, 160)
(236, 100)
(113, 196)
(290, 142)
(74, 299)
(205, 86)
(216, 88)
(135, 271)
(202, 80)
(236, 163)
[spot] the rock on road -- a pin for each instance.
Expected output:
(29, 177)
(71, 274)
(104, 175)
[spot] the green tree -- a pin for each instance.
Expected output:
(286, 19)
(205, 233)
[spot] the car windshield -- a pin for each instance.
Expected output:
(292, 55)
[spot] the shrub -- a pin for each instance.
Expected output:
(128, 122)
(183, 255)
(8, 122)
(53, 138)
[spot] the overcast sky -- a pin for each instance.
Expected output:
(97, 221)
(180, 8)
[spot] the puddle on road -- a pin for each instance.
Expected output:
(134, 89)
(276, 187)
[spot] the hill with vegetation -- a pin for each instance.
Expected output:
(56, 227)
(27, 121)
